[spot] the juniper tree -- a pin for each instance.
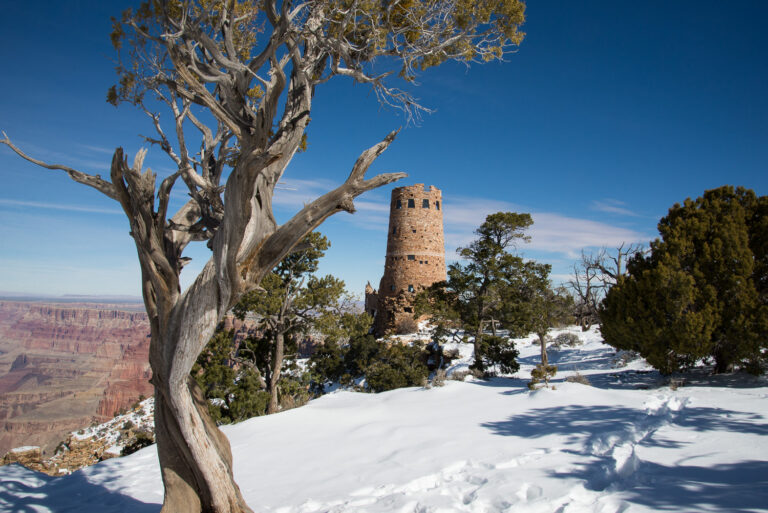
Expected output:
(233, 389)
(474, 292)
(701, 292)
(594, 275)
(288, 303)
(236, 79)
(384, 366)
(532, 305)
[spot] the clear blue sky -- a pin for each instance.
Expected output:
(609, 113)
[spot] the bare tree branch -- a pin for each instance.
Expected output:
(313, 214)
(94, 181)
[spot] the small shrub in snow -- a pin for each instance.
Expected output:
(578, 378)
(128, 425)
(450, 355)
(439, 379)
(675, 383)
(623, 358)
(566, 339)
(406, 326)
(398, 367)
(498, 351)
(143, 439)
(477, 373)
(384, 366)
(459, 375)
(541, 375)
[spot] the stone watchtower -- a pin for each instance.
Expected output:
(415, 255)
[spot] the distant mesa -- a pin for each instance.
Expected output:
(415, 256)
(133, 301)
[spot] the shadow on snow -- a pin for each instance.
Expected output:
(66, 494)
(595, 430)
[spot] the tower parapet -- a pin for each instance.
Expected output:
(415, 252)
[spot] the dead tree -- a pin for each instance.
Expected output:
(612, 266)
(251, 67)
(587, 289)
(594, 275)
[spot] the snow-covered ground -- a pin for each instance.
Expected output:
(625, 443)
(142, 417)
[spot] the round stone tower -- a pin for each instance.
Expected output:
(415, 252)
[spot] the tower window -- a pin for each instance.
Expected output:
(411, 203)
(399, 204)
(408, 309)
(392, 287)
(394, 230)
(410, 288)
(425, 203)
(411, 257)
(437, 205)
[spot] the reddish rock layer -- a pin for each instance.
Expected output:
(63, 366)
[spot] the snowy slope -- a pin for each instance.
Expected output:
(625, 444)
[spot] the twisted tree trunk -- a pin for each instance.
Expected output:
(277, 365)
(195, 457)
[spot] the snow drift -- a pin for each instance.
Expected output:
(625, 443)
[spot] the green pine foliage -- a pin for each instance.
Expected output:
(383, 366)
(499, 351)
(474, 295)
(702, 291)
(234, 392)
(291, 302)
(327, 365)
(396, 366)
(496, 285)
(141, 440)
(541, 375)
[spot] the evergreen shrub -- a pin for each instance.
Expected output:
(383, 366)
(702, 292)
(541, 374)
(566, 339)
(498, 351)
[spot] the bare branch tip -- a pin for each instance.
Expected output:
(391, 136)
(138, 159)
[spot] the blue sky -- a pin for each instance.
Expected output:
(609, 113)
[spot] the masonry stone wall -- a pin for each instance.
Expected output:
(415, 253)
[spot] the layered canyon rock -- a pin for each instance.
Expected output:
(66, 366)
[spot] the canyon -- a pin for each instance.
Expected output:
(65, 366)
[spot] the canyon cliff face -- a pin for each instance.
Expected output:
(65, 366)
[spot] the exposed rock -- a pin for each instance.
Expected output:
(26, 455)
(63, 366)
(87, 446)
